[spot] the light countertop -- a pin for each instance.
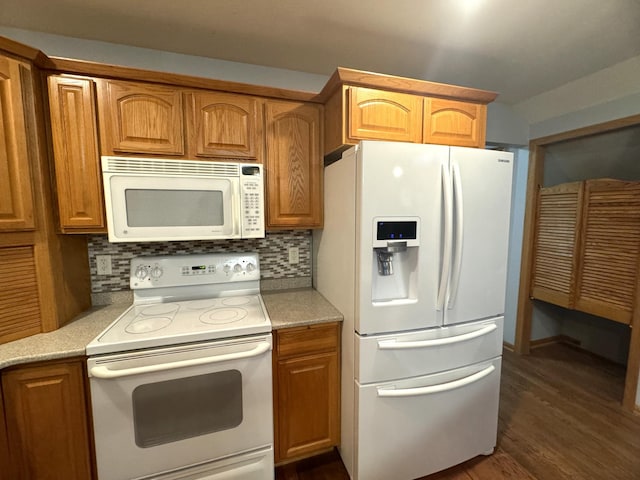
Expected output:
(287, 308)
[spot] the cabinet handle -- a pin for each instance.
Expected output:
(395, 344)
(105, 372)
(443, 387)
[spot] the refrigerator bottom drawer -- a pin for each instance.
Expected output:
(414, 427)
(423, 352)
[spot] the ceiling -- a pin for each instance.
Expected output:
(519, 49)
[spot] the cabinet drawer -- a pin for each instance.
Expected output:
(309, 339)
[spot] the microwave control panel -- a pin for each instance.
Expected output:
(252, 201)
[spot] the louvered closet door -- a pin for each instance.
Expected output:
(19, 302)
(608, 274)
(556, 243)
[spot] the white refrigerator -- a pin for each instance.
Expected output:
(414, 254)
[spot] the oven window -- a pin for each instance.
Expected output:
(166, 208)
(173, 410)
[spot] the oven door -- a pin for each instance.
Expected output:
(160, 208)
(166, 409)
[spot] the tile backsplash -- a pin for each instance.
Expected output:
(275, 270)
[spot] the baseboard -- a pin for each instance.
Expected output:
(509, 346)
(541, 342)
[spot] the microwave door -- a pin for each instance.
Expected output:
(163, 208)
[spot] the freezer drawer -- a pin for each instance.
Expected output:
(422, 352)
(411, 428)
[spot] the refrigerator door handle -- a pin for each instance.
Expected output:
(443, 387)
(448, 233)
(395, 344)
(459, 219)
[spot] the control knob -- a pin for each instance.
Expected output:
(237, 268)
(227, 268)
(141, 272)
(250, 267)
(156, 272)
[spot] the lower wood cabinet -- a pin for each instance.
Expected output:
(306, 372)
(47, 422)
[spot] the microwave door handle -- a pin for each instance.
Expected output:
(105, 372)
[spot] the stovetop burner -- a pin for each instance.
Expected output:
(183, 299)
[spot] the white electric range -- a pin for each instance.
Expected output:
(181, 381)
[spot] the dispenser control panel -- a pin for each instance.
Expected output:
(397, 230)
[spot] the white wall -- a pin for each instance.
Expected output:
(605, 95)
(114, 54)
(505, 126)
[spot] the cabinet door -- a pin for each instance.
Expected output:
(224, 125)
(380, 115)
(47, 424)
(140, 118)
(16, 197)
(293, 165)
(450, 122)
(76, 157)
(307, 404)
(7, 466)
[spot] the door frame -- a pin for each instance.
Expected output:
(537, 151)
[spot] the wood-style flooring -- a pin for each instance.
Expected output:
(560, 419)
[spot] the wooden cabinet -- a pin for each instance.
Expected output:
(16, 197)
(76, 158)
(450, 122)
(6, 470)
(293, 165)
(224, 125)
(47, 421)
(381, 115)
(140, 118)
(587, 247)
(306, 390)
(354, 113)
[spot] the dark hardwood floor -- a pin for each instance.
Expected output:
(560, 419)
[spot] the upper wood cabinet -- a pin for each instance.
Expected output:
(306, 390)
(450, 122)
(293, 165)
(354, 113)
(140, 118)
(47, 421)
(380, 115)
(16, 196)
(76, 158)
(224, 125)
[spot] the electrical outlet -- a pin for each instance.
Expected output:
(103, 264)
(294, 255)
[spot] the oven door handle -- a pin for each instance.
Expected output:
(103, 371)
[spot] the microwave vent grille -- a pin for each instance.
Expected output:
(188, 168)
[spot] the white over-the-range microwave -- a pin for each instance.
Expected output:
(150, 199)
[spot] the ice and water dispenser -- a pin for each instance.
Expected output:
(395, 259)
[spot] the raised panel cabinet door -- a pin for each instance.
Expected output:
(293, 165)
(16, 196)
(47, 421)
(450, 122)
(75, 150)
(381, 115)
(6, 472)
(140, 118)
(224, 125)
(308, 404)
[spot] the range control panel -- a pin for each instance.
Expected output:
(196, 269)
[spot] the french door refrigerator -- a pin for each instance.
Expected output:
(413, 253)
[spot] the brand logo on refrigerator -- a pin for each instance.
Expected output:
(504, 160)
